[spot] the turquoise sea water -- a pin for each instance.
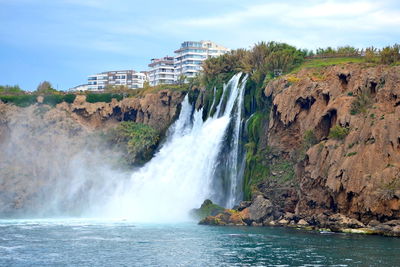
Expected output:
(119, 243)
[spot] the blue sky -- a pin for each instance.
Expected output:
(63, 41)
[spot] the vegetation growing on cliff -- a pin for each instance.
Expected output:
(338, 132)
(138, 141)
(19, 100)
(104, 97)
(10, 90)
(25, 100)
(262, 63)
(15, 95)
(318, 63)
(361, 104)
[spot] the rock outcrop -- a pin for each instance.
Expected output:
(155, 109)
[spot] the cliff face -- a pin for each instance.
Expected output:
(157, 110)
(358, 172)
(52, 159)
(330, 153)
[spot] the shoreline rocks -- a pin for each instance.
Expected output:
(261, 212)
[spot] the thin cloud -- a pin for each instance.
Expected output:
(336, 14)
(89, 3)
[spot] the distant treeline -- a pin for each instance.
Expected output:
(386, 55)
(272, 58)
(15, 95)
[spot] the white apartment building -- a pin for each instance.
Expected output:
(82, 87)
(129, 78)
(190, 56)
(161, 71)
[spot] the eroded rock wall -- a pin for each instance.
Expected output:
(358, 175)
(157, 110)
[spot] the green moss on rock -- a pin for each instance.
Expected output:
(208, 208)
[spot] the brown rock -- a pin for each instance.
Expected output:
(260, 208)
(155, 109)
(342, 221)
(302, 222)
(396, 230)
(283, 222)
(359, 175)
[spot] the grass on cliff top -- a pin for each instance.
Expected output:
(324, 62)
(155, 89)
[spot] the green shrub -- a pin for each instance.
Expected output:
(19, 100)
(284, 171)
(309, 139)
(371, 55)
(352, 145)
(69, 98)
(361, 104)
(340, 51)
(53, 100)
(137, 140)
(261, 60)
(45, 87)
(11, 90)
(102, 97)
(390, 54)
(338, 132)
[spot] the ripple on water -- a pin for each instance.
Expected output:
(187, 245)
(11, 248)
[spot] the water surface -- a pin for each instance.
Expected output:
(121, 243)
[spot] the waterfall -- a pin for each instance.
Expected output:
(183, 173)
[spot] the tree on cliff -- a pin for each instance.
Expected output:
(262, 60)
(45, 87)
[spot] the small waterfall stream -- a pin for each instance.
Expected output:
(199, 160)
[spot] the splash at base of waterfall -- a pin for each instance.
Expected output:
(185, 170)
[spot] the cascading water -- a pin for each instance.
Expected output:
(183, 173)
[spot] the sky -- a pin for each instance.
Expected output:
(64, 41)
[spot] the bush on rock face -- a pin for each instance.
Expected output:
(338, 132)
(19, 100)
(361, 104)
(137, 140)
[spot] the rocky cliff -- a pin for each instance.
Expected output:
(339, 127)
(155, 109)
(52, 158)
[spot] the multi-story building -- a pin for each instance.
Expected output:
(81, 87)
(190, 56)
(128, 78)
(161, 71)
